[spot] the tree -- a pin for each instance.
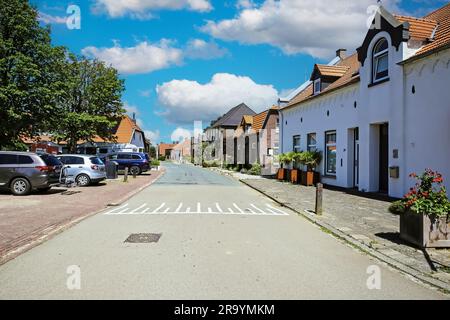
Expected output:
(91, 105)
(152, 152)
(31, 81)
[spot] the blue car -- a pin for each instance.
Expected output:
(136, 162)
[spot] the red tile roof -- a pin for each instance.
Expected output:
(259, 119)
(351, 64)
(441, 37)
(331, 71)
(419, 28)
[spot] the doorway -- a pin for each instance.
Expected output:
(247, 151)
(235, 152)
(356, 158)
(384, 159)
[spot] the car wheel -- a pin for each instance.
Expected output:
(83, 180)
(20, 187)
(135, 170)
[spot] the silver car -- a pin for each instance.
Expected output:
(84, 169)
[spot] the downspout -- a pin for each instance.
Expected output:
(281, 149)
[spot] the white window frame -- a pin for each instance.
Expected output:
(296, 147)
(327, 145)
(376, 57)
(312, 147)
(315, 85)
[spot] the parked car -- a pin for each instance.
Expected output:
(136, 162)
(22, 172)
(85, 169)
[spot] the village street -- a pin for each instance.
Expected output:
(219, 239)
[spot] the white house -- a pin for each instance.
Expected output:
(382, 113)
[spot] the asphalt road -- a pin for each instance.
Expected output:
(218, 240)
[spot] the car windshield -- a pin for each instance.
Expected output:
(95, 160)
(50, 160)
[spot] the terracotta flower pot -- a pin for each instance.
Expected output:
(425, 231)
(295, 176)
(310, 178)
(281, 174)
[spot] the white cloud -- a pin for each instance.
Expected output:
(145, 57)
(200, 49)
(245, 4)
(145, 93)
(49, 19)
(313, 27)
(184, 101)
(142, 9)
(180, 134)
(152, 135)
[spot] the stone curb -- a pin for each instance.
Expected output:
(441, 285)
(52, 232)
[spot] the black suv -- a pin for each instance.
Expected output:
(22, 172)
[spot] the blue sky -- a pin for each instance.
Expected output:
(186, 60)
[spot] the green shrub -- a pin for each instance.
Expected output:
(255, 170)
(210, 164)
(162, 158)
(155, 163)
(397, 207)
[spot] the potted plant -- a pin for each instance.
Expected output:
(296, 172)
(281, 172)
(311, 159)
(288, 163)
(285, 160)
(424, 212)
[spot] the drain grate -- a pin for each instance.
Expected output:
(144, 238)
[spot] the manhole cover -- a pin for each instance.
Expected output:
(144, 237)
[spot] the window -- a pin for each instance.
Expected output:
(25, 160)
(380, 61)
(330, 160)
(124, 156)
(317, 86)
(136, 157)
(296, 144)
(8, 159)
(312, 142)
(51, 160)
(71, 160)
(95, 160)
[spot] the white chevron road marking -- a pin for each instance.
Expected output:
(235, 209)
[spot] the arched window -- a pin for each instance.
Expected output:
(380, 60)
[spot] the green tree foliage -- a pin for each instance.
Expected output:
(152, 152)
(31, 81)
(92, 104)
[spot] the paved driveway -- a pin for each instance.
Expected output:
(245, 248)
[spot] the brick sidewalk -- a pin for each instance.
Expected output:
(28, 221)
(364, 220)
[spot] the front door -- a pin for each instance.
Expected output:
(247, 151)
(235, 151)
(384, 158)
(356, 159)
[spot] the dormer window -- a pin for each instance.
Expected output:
(317, 86)
(380, 61)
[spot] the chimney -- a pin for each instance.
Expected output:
(134, 117)
(341, 53)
